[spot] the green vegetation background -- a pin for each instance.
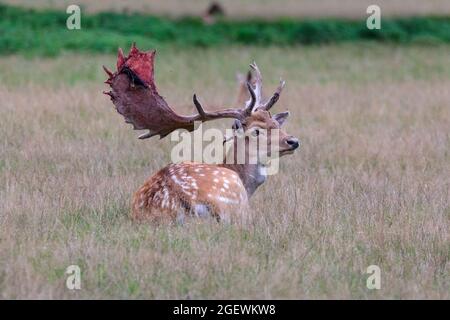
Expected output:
(44, 32)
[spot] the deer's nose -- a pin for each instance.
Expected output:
(293, 142)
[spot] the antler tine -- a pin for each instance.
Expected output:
(227, 113)
(108, 72)
(269, 104)
(250, 104)
(258, 83)
(199, 107)
(224, 113)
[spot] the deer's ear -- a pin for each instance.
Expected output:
(281, 117)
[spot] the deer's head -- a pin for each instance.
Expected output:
(264, 130)
(259, 127)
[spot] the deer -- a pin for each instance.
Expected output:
(195, 189)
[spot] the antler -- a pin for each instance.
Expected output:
(269, 104)
(258, 90)
(257, 82)
(135, 96)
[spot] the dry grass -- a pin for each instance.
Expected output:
(370, 184)
(255, 8)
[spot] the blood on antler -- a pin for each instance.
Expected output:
(134, 94)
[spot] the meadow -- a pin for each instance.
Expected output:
(369, 185)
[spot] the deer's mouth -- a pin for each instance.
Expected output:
(288, 151)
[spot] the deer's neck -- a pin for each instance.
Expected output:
(252, 175)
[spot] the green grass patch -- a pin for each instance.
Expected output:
(44, 32)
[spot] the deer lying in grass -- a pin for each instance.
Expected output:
(192, 189)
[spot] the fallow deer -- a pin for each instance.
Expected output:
(192, 189)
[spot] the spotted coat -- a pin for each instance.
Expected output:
(190, 189)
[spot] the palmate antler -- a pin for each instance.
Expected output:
(134, 93)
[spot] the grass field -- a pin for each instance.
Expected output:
(370, 184)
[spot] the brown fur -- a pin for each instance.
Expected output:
(179, 190)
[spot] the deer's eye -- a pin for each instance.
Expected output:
(255, 132)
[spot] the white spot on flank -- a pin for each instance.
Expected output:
(175, 179)
(216, 180)
(227, 200)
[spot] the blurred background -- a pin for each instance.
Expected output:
(369, 186)
(254, 8)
